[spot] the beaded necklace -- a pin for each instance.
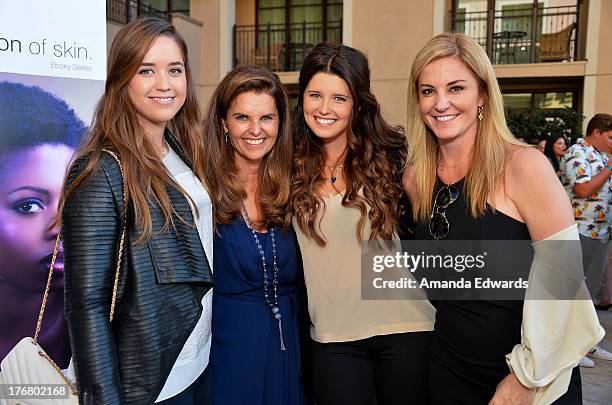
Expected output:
(272, 305)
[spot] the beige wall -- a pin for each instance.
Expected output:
(245, 12)
(191, 31)
(391, 33)
(603, 97)
(208, 11)
(590, 89)
(554, 69)
(112, 28)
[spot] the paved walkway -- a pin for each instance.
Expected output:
(597, 381)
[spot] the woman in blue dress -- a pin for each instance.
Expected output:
(255, 353)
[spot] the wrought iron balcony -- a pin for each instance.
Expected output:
(526, 35)
(281, 47)
(124, 11)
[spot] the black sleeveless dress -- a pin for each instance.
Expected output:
(472, 338)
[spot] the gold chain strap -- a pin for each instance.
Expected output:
(122, 239)
(43, 305)
(40, 318)
(70, 384)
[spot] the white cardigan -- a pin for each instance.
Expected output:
(556, 333)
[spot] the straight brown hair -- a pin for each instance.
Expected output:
(116, 127)
(226, 187)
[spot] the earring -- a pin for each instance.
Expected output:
(480, 113)
(226, 137)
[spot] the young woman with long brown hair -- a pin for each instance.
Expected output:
(346, 190)
(255, 355)
(155, 348)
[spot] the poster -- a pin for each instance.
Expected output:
(52, 72)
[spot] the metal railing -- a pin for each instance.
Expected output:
(525, 35)
(124, 11)
(281, 47)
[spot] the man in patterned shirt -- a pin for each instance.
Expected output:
(585, 173)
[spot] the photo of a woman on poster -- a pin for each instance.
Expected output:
(38, 134)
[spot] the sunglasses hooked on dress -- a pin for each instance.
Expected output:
(439, 226)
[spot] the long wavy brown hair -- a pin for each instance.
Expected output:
(116, 127)
(373, 160)
(226, 187)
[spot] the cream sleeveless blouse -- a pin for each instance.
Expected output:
(333, 282)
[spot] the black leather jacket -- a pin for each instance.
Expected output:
(161, 286)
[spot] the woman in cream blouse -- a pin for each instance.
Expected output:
(346, 190)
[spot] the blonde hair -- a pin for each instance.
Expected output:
(493, 138)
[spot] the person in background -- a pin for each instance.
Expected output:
(255, 357)
(38, 134)
(468, 178)
(346, 190)
(606, 290)
(554, 150)
(605, 302)
(541, 145)
(155, 348)
(585, 172)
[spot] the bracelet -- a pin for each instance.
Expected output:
(609, 167)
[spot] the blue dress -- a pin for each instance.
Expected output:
(247, 364)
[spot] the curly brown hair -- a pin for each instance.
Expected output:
(373, 160)
(225, 186)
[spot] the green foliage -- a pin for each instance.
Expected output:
(535, 124)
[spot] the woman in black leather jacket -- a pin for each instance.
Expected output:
(156, 346)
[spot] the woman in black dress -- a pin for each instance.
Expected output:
(468, 178)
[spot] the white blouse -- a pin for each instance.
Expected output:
(193, 358)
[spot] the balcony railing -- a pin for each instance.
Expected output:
(525, 35)
(281, 47)
(124, 11)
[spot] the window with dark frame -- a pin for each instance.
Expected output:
(298, 11)
(172, 6)
(286, 30)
